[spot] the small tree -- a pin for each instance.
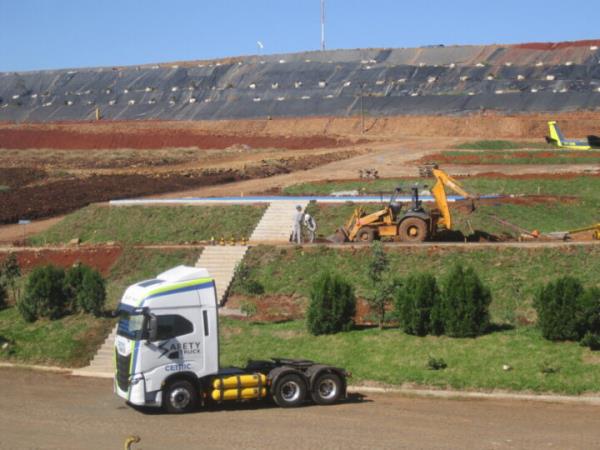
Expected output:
(332, 305)
(560, 310)
(9, 274)
(85, 290)
(91, 297)
(415, 299)
(382, 285)
(72, 285)
(465, 303)
(590, 318)
(44, 295)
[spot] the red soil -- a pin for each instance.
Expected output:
(151, 136)
(100, 258)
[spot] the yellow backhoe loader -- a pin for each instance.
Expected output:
(416, 224)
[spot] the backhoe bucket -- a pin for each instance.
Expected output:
(339, 237)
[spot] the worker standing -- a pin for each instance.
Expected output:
(311, 225)
(298, 220)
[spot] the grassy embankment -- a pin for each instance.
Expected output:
(153, 224)
(72, 340)
(390, 356)
(580, 207)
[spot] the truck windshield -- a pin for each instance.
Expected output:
(131, 325)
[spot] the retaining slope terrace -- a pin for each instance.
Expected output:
(432, 80)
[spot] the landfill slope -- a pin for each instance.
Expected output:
(454, 80)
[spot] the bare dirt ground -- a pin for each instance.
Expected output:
(54, 411)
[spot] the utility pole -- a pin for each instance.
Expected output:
(322, 25)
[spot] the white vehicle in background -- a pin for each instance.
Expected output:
(167, 352)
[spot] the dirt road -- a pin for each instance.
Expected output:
(48, 410)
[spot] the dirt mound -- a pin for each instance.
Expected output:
(151, 136)
(100, 258)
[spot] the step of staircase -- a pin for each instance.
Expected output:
(277, 222)
(221, 261)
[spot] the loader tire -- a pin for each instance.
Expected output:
(413, 229)
(365, 235)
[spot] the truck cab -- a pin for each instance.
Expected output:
(167, 352)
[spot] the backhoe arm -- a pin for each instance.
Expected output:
(439, 194)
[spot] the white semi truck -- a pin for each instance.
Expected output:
(167, 352)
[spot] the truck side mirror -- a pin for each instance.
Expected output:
(152, 328)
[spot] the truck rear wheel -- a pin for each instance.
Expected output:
(413, 229)
(290, 391)
(180, 397)
(327, 389)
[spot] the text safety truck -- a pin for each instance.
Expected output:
(167, 352)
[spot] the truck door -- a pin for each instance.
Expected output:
(179, 346)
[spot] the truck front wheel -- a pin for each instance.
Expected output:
(327, 389)
(180, 397)
(290, 391)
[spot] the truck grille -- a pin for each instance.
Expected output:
(123, 371)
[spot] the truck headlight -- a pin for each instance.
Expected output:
(135, 379)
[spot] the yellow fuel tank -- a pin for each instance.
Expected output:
(238, 394)
(240, 381)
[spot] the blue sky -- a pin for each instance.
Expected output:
(43, 34)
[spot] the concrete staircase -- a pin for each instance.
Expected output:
(277, 222)
(103, 364)
(220, 261)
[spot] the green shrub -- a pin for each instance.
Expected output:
(465, 302)
(332, 305)
(9, 275)
(591, 340)
(92, 296)
(559, 307)
(415, 298)
(248, 308)
(436, 363)
(44, 294)
(85, 290)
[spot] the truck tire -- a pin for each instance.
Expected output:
(180, 397)
(327, 389)
(365, 235)
(413, 229)
(290, 391)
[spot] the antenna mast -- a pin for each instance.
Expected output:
(322, 25)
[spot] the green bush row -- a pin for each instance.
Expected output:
(51, 292)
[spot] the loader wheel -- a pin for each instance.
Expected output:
(413, 230)
(365, 235)
(290, 391)
(180, 397)
(327, 389)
